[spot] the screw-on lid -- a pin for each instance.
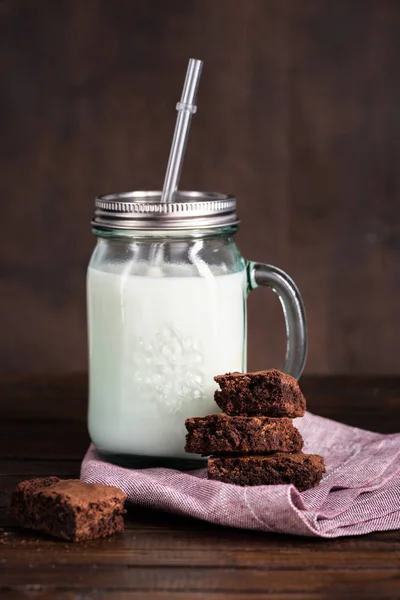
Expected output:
(144, 210)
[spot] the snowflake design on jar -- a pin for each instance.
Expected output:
(169, 368)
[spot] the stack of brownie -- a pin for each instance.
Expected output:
(254, 441)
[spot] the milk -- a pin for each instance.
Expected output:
(155, 344)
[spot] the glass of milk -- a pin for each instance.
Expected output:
(166, 293)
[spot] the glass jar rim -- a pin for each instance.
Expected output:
(162, 234)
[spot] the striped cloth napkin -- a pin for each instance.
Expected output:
(359, 493)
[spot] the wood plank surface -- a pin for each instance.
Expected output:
(161, 556)
(298, 116)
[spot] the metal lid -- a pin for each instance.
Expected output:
(144, 210)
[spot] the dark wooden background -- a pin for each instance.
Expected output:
(299, 115)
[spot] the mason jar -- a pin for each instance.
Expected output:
(166, 292)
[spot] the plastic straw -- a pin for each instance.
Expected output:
(186, 108)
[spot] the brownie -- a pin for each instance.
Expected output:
(269, 393)
(302, 470)
(219, 434)
(69, 509)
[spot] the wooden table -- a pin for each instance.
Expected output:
(163, 557)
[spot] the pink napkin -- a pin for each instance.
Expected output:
(359, 493)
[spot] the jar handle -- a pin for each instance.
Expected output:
(259, 274)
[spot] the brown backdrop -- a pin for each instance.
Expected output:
(299, 116)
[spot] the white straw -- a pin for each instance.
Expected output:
(186, 108)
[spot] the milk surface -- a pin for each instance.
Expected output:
(155, 344)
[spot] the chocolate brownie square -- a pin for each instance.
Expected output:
(302, 470)
(69, 509)
(219, 434)
(263, 393)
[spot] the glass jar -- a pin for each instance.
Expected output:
(167, 290)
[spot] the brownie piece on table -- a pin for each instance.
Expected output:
(302, 470)
(69, 509)
(269, 393)
(218, 434)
